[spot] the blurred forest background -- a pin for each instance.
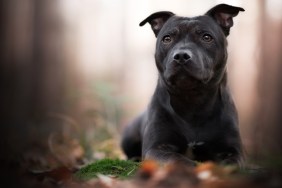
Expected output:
(74, 72)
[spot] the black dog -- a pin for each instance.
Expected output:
(192, 115)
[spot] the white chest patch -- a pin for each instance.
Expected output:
(191, 146)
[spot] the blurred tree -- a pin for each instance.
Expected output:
(268, 118)
(32, 70)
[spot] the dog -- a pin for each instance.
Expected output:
(191, 117)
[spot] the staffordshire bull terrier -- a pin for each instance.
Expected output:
(191, 116)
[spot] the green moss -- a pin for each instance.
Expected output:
(118, 168)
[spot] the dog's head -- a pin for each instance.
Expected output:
(191, 51)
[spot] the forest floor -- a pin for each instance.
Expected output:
(108, 173)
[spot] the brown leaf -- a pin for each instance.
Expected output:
(57, 175)
(148, 168)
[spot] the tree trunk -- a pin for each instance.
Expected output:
(268, 121)
(32, 71)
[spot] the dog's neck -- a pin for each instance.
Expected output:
(194, 103)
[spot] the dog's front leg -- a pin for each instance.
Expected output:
(165, 153)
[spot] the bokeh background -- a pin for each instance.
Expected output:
(74, 72)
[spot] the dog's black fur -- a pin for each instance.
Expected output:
(192, 115)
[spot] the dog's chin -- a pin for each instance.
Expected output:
(183, 81)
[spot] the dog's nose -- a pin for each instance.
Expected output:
(181, 57)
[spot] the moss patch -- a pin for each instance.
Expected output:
(114, 167)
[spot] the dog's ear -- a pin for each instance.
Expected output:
(157, 20)
(223, 14)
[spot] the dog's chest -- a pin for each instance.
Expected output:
(198, 139)
(191, 146)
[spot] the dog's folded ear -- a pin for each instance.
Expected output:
(223, 14)
(157, 20)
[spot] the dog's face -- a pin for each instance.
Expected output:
(189, 49)
(192, 51)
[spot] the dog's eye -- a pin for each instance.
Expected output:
(207, 38)
(166, 39)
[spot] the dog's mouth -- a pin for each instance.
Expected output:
(186, 77)
(183, 79)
